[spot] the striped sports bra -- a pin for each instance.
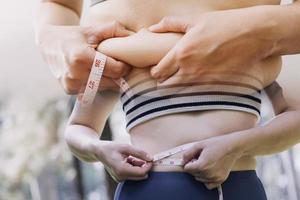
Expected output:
(141, 102)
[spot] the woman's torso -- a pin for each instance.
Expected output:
(167, 131)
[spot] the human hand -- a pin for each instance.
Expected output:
(69, 52)
(210, 161)
(123, 161)
(220, 41)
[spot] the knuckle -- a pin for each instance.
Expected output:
(118, 71)
(154, 73)
(69, 86)
(76, 58)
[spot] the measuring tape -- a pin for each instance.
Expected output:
(94, 79)
(162, 159)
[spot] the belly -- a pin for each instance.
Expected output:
(136, 14)
(179, 128)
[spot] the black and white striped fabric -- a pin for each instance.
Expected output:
(141, 103)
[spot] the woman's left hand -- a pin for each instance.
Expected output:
(220, 40)
(211, 160)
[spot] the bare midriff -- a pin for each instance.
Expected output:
(142, 51)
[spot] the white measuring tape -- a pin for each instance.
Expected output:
(89, 95)
(94, 79)
(162, 159)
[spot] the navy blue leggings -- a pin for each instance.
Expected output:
(240, 185)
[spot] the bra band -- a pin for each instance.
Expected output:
(140, 105)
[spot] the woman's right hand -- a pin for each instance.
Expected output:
(69, 52)
(123, 161)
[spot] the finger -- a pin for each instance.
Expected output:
(192, 153)
(211, 186)
(166, 67)
(191, 167)
(115, 69)
(135, 171)
(132, 151)
(201, 179)
(96, 34)
(178, 24)
(135, 161)
(204, 177)
(71, 86)
(138, 178)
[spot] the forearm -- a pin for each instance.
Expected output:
(278, 27)
(81, 141)
(276, 136)
(56, 14)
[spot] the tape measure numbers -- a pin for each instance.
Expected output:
(94, 79)
(162, 159)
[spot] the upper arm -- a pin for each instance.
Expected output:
(75, 5)
(95, 115)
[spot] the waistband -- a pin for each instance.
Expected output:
(244, 174)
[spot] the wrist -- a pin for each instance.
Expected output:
(262, 27)
(46, 32)
(96, 148)
(245, 142)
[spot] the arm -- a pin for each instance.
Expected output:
(218, 154)
(86, 124)
(59, 12)
(283, 131)
(69, 49)
(82, 136)
(286, 32)
(228, 39)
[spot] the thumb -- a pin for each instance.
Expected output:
(192, 153)
(98, 33)
(132, 151)
(179, 24)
